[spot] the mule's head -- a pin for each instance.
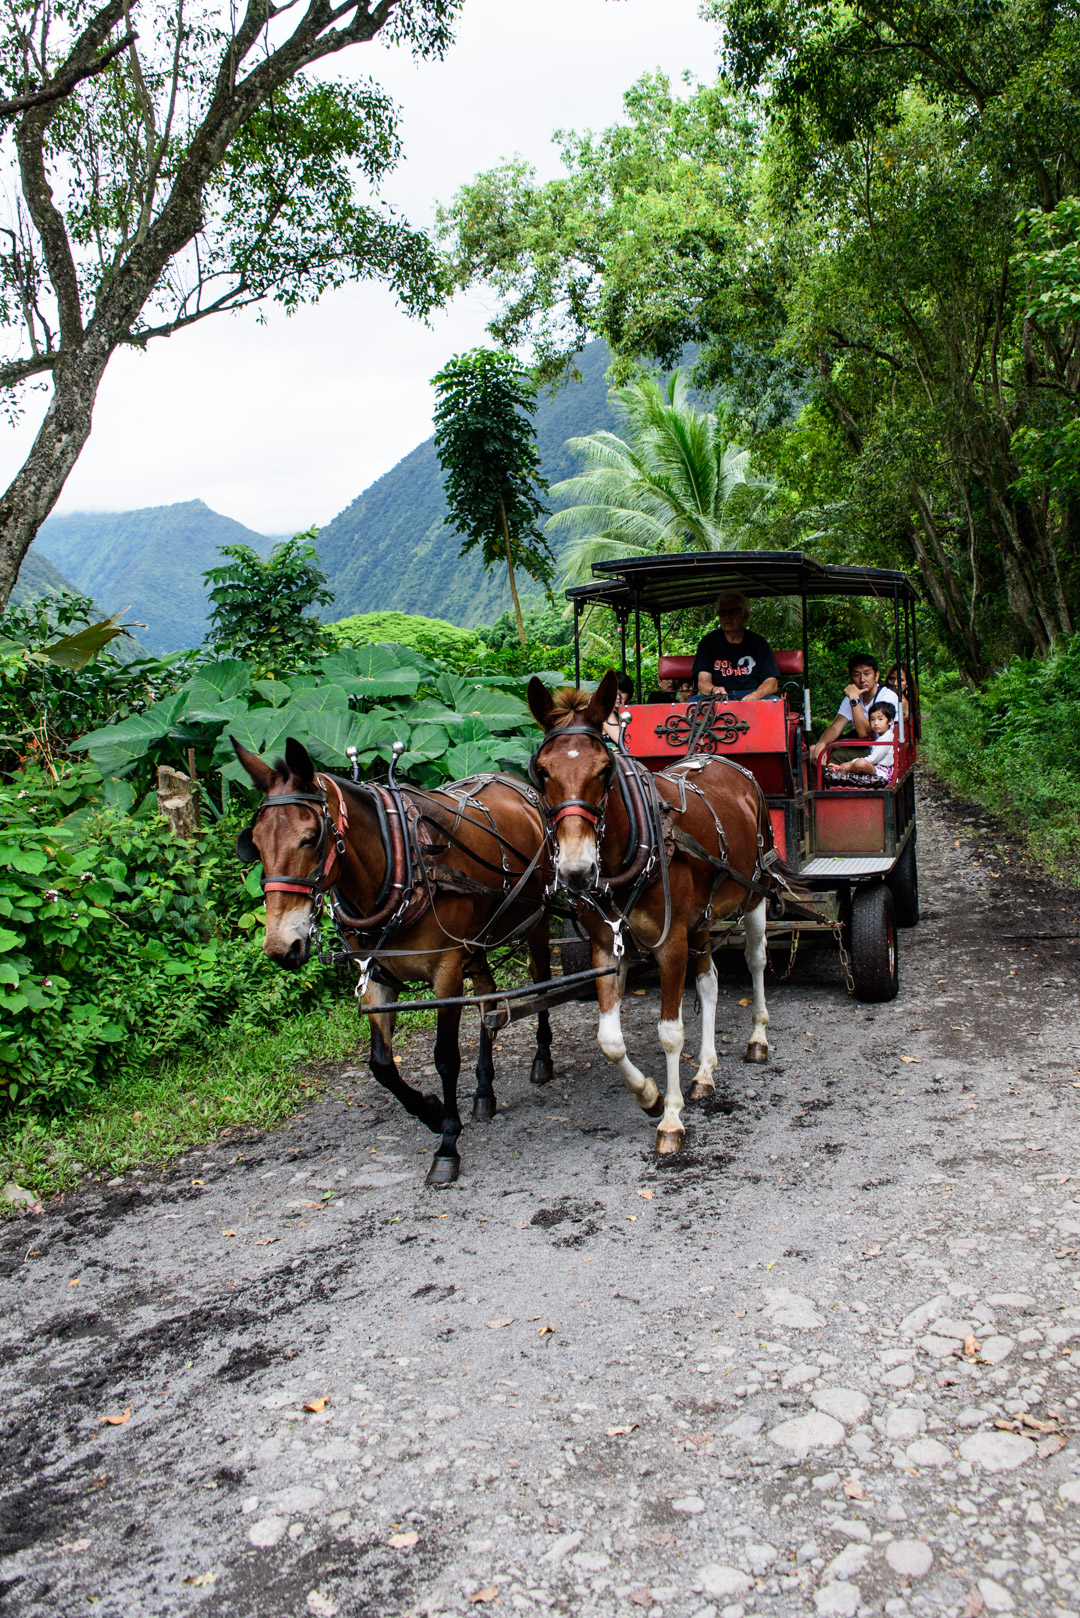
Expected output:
(287, 839)
(574, 772)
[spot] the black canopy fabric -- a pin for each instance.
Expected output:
(667, 582)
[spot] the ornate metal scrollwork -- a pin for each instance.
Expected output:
(712, 728)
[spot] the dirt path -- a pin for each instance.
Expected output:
(583, 1380)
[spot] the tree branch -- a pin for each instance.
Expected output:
(59, 88)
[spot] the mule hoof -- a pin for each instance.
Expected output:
(483, 1108)
(669, 1140)
(657, 1108)
(443, 1171)
(542, 1071)
(756, 1052)
(701, 1090)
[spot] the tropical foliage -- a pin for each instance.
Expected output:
(678, 482)
(434, 637)
(261, 610)
(486, 443)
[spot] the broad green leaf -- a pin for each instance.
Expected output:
(470, 759)
(430, 739)
(322, 696)
(474, 730)
(499, 709)
(214, 712)
(8, 939)
(117, 749)
(275, 692)
(230, 677)
(75, 651)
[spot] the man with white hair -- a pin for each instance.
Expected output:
(733, 663)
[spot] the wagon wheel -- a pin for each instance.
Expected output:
(903, 879)
(873, 943)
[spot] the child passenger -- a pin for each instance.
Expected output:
(879, 762)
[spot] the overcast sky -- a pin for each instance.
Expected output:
(281, 425)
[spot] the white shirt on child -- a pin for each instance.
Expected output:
(882, 757)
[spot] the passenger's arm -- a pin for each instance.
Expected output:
(835, 730)
(859, 717)
(767, 688)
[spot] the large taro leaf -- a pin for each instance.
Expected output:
(275, 692)
(498, 709)
(230, 677)
(430, 740)
(317, 698)
(118, 749)
(431, 711)
(260, 730)
(370, 672)
(212, 713)
(471, 758)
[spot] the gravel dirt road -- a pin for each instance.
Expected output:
(823, 1362)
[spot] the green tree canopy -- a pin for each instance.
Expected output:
(486, 444)
(679, 481)
(200, 168)
(262, 609)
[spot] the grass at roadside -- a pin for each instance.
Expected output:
(248, 1081)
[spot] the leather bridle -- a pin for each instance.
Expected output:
(580, 807)
(329, 849)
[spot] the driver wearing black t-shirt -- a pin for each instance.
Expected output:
(733, 663)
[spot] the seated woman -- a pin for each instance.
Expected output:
(733, 663)
(876, 767)
(626, 694)
(906, 687)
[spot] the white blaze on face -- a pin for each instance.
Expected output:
(288, 919)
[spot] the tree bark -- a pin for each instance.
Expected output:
(510, 570)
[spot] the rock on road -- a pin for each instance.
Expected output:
(823, 1362)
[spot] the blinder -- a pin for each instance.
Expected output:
(246, 852)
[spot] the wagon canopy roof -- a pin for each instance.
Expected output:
(694, 578)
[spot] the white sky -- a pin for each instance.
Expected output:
(281, 425)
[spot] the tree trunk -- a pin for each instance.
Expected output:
(510, 570)
(39, 482)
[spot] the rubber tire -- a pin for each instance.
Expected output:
(903, 879)
(872, 943)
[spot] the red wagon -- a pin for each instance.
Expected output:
(851, 848)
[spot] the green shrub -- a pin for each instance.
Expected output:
(119, 945)
(434, 637)
(1015, 748)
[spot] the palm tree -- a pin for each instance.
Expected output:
(679, 481)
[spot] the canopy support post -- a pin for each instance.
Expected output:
(805, 662)
(637, 649)
(577, 645)
(899, 666)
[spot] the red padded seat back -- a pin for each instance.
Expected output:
(679, 668)
(789, 662)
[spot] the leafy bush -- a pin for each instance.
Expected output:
(434, 637)
(1015, 748)
(119, 944)
(546, 625)
(262, 609)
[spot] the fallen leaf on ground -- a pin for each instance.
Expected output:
(267, 1242)
(632, 1218)
(911, 1059)
(873, 1252)
(556, 1118)
(74, 1283)
(975, 1605)
(315, 1405)
(401, 1542)
(744, 1002)
(1050, 1426)
(116, 1421)
(854, 1491)
(490, 1592)
(1067, 1252)
(198, 1182)
(971, 1345)
(200, 1578)
(228, 1233)
(621, 1432)
(645, 1193)
(639, 991)
(545, 1330)
(497, 1325)
(641, 1598)
(525, 1226)
(1050, 1446)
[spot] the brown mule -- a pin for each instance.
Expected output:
(319, 834)
(718, 825)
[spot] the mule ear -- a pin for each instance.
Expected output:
(540, 702)
(603, 699)
(246, 852)
(298, 760)
(261, 773)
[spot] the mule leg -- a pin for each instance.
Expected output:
(707, 985)
(542, 1071)
(673, 957)
(609, 1036)
(382, 1064)
(484, 1105)
(758, 1048)
(446, 1164)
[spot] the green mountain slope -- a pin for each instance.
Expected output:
(391, 547)
(38, 577)
(150, 560)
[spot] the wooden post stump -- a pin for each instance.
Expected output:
(174, 796)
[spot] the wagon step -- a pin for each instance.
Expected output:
(505, 1005)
